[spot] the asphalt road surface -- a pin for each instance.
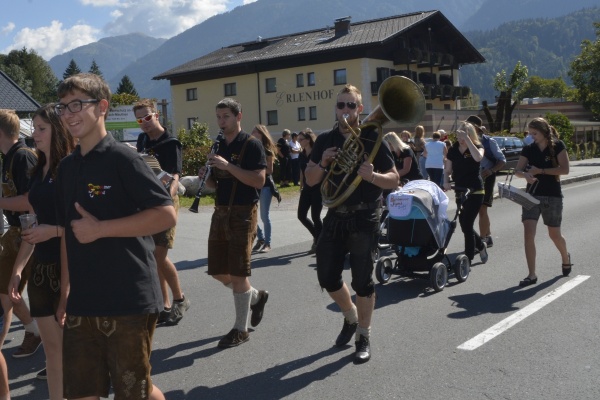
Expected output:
(485, 338)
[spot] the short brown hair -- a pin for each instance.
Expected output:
(352, 89)
(144, 103)
(9, 123)
(91, 84)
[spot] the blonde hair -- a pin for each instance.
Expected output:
(395, 143)
(471, 131)
(419, 132)
(9, 123)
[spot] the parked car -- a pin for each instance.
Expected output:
(511, 148)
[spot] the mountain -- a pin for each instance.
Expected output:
(494, 13)
(111, 54)
(269, 18)
(545, 46)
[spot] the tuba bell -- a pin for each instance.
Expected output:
(400, 100)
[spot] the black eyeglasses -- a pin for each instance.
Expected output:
(74, 106)
(350, 104)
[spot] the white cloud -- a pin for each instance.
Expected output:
(161, 18)
(7, 29)
(100, 3)
(49, 41)
(248, 1)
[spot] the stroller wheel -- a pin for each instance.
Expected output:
(383, 269)
(438, 276)
(462, 267)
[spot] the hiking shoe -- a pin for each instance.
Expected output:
(42, 375)
(259, 244)
(489, 241)
(259, 307)
(163, 316)
(233, 338)
(346, 334)
(363, 350)
(29, 346)
(483, 254)
(177, 310)
(265, 249)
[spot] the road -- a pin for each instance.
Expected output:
(548, 350)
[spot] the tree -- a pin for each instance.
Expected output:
(505, 106)
(585, 73)
(94, 69)
(126, 86)
(72, 69)
(541, 87)
(32, 73)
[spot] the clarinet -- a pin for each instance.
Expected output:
(214, 150)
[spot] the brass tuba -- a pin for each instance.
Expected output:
(400, 100)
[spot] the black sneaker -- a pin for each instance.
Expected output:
(489, 241)
(259, 307)
(233, 338)
(259, 244)
(483, 254)
(177, 310)
(346, 334)
(163, 316)
(363, 350)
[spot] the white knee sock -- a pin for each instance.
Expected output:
(366, 332)
(351, 315)
(242, 309)
(254, 298)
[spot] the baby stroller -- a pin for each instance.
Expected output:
(419, 232)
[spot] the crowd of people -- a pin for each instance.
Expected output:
(105, 215)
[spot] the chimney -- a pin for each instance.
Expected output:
(342, 26)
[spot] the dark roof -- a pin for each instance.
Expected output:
(12, 97)
(312, 45)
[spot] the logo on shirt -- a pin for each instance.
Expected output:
(97, 190)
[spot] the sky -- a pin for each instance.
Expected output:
(52, 27)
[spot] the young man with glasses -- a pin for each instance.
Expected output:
(109, 203)
(155, 140)
(351, 227)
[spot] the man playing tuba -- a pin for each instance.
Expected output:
(351, 225)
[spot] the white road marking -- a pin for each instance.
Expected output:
(520, 315)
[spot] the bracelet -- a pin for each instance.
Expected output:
(373, 178)
(322, 167)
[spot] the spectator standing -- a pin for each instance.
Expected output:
(284, 152)
(463, 164)
(544, 161)
(351, 227)
(156, 141)
(237, 174)
(263, 243)
(419, 141)
(493, 161)
(435, 154)
(18, 161)
(295, 150)
(310, 196)
(53, 143)
(109, 203)
(404, 158)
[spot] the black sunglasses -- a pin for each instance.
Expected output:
(351, 105)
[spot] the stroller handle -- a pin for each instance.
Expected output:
(460, 189)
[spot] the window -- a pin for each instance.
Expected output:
(191, 122)
(192, 94)
(301, 114)
(310, 77)
(230, 89)
(271, 85)
(339, 76)
(272, 117)
(313, 112)
(299, 80)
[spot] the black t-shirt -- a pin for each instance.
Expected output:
(548, 185)
(465, 170)
(22, 162)
(168, 153)
(284, 147)
(414, 172)
(383, 161)
(111, 276)
(42, 199)
(253, 159)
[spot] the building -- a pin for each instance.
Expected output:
(292, 81)
(12, 97)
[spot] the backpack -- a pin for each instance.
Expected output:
(487, 153)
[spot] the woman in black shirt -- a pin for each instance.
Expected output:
(462, 163)
(404, 158)
(310, 196)
(543, 161)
